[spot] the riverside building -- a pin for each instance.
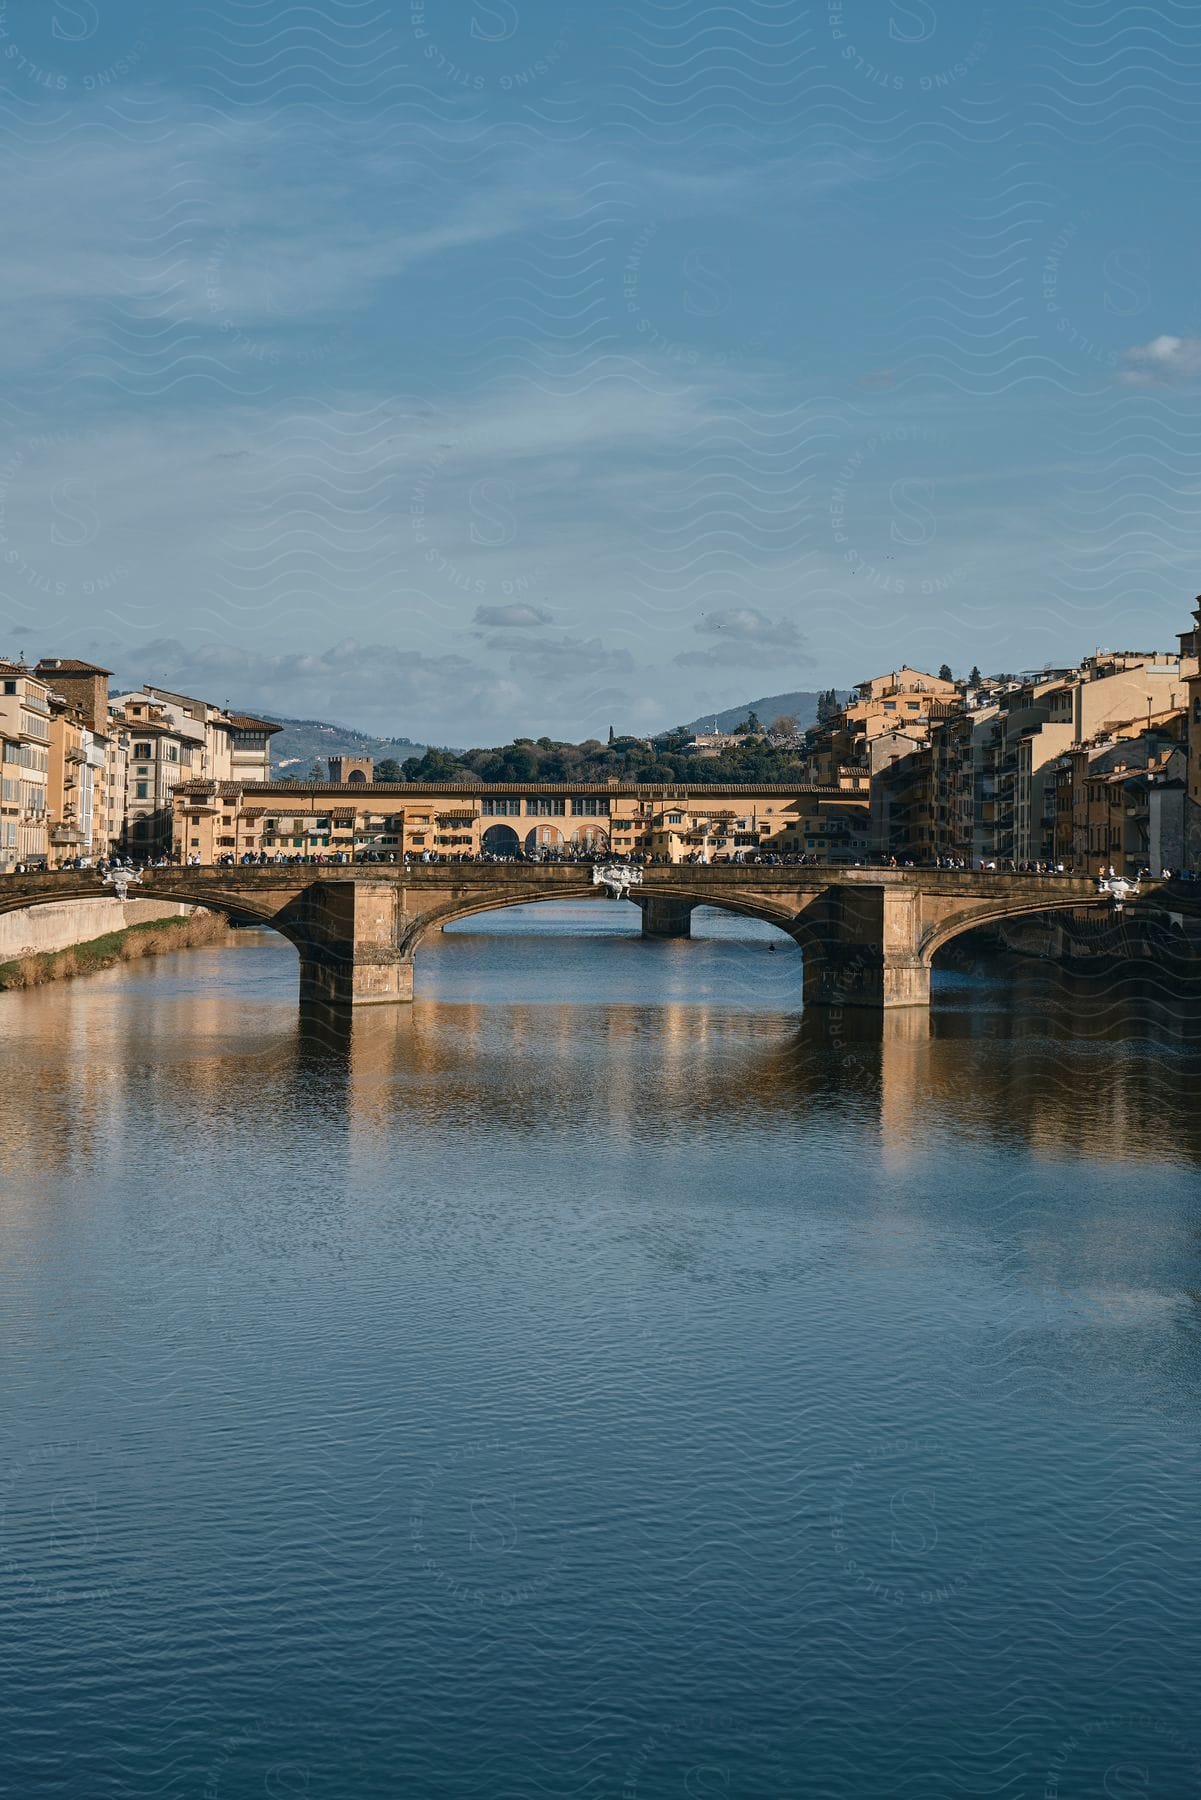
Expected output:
(675, 823)
(24, 768)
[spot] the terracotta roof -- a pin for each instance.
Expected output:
(248, 722)
(438, 791)
(70, 665)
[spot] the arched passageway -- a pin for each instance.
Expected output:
(501, 840)
(543, 837)
(590, 838)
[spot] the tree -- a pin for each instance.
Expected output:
(975, 678)
(944, 672)
(783, 727)
(435, 765)
(827, 705)
(519, 762)
(318, 772)
(752, 723)
(388, 769)
(611, 734)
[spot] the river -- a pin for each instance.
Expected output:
(598, 1380)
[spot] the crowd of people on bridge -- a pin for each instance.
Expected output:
(638, 859)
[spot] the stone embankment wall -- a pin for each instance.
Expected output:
(61, 923)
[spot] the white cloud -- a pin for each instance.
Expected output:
(1164, 360)
(512, 618)
(743, 637)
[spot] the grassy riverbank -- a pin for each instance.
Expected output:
(153, 939)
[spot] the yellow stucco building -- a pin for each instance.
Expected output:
(215, 820)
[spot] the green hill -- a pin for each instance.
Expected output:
(772, 706)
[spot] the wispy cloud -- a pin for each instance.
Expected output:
(1163, 361)
(511, 618)
(744, 637)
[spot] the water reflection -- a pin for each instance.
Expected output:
(655, 1298)
(1066, 1067)
(1116, 1084)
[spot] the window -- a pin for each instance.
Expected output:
(675, 818)
(141, 753)
(10, 687)
(141, 791)
(194, 843)
(590, 809)
(500, 809)
(545, 809)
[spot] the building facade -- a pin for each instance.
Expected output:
(24, 768)
(173, 738)
(506, 819)
(83, 688)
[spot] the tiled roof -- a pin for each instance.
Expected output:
(69, 665)
(438, 791)
(248, 722)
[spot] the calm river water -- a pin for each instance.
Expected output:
(598, 1380)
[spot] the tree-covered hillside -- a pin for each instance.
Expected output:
(756, 758)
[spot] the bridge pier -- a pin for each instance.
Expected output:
(348, 936)
(860, 948)
(666, 918)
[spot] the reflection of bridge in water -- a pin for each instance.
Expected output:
(1003, 1075)
(868, 936)
(1009, 1065)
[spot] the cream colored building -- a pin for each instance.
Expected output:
(226, 746)
(174, 738)
(24, 767)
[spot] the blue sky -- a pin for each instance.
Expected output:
(518, 366)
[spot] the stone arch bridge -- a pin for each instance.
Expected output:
(868, 936)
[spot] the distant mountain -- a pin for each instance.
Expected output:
(303, 741)
(773, 706)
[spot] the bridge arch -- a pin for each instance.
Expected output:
(238, 908)
(995, 912)
(449, 913)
